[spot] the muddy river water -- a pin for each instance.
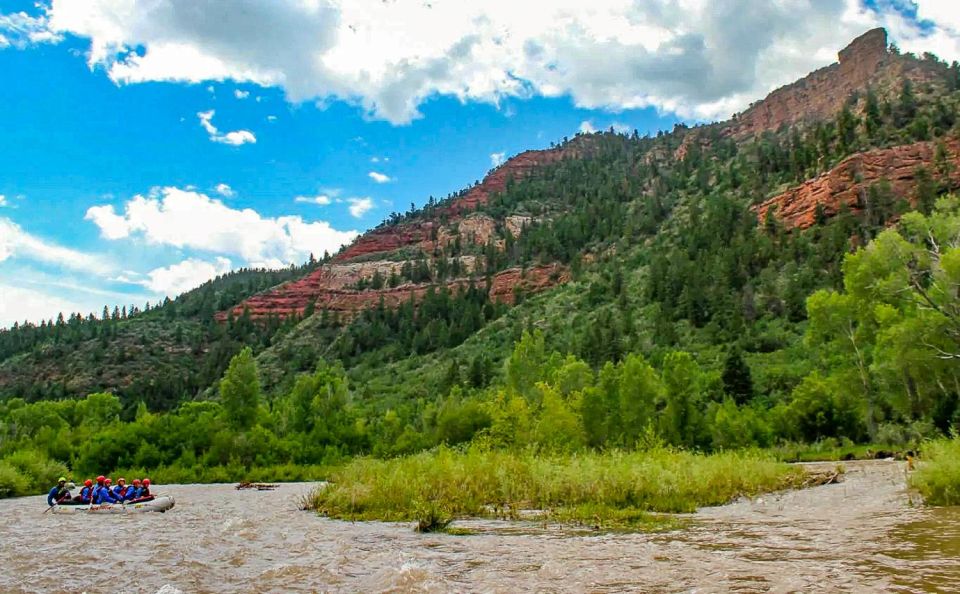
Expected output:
(862, 535)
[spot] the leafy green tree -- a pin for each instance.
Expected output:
(640, 389)
(680, 420)
(240, 390)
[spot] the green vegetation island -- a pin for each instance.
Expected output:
(685, 350)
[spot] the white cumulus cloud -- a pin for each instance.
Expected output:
(241, 94)
(225, 190)
(497, 159)
(695, 58)
(380, 178)
(586, 127)
(360, 206)
(3, 200)
(235, 138)
(186, 275)
(188, 219)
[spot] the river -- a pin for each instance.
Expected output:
(861, 535)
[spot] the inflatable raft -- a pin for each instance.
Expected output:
(158, 504)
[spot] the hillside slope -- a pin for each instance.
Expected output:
(609, 243)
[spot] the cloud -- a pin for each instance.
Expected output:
(19, 304)
(271, 118)
(360, 206)
(3, 201)
(20, 30)
(379, 177)
(225, 191)
(179, 278)
(190, 220)
(17, 243)
(497, 159)
(241, 94)
(321, 199)
(236, 138)
(695, 58)
(586, 127)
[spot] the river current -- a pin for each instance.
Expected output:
(862, 535)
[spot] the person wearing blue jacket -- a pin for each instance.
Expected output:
(58, 494)
(103, 494)
(121, 490)
(86, 493)
(134, 491)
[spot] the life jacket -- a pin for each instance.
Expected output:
(86, 494)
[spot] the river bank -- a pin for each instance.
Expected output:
(860, 535)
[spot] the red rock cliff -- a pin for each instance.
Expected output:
(866, 62)
(848, 183)
(326, 291)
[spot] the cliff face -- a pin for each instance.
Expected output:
(385, 251)
(847, 184)
(325, 290)
(866, 62)
(386, 239)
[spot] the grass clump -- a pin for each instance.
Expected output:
(938, 474)
(613, 489)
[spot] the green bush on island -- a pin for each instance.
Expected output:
(588, 487)
(937, 476)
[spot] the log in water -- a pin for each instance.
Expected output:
(859, 535)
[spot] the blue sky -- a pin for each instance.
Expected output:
(143, 150)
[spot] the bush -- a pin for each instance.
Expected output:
(938, 473)
(37, 472)
(12, 483)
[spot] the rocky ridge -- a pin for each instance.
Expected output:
(387, 248)
(866, 62)
(847, 184)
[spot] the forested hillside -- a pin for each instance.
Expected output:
(712, 287)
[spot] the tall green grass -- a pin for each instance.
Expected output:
(588, 487)
(937, 476)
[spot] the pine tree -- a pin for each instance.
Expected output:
(737, 381)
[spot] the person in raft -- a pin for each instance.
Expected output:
(143, 493)
(121, 490)
(102, 493)
(86, 493)
(59, 494)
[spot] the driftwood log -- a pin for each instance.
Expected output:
(257, 486)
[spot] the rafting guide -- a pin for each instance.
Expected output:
(101, 498)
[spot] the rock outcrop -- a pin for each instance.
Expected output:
(866, 62)
(389, 238)
(386, 249)
(325, 289)
(848, 183)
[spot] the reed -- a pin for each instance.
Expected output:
(612, 488)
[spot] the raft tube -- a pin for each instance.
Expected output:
(159, 504)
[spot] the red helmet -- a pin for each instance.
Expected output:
(108, 481)
(146, 482)
(136, 481)
(88, 483)
(101, 478)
